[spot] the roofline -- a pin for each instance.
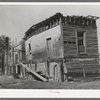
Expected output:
(63, 18)
(44, 21)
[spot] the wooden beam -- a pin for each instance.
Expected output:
(33, 72)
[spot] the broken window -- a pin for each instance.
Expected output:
(81, 42)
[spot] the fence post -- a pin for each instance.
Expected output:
(84, 75)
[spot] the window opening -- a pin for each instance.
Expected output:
(81, 42)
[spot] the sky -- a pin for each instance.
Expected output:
(15, 20)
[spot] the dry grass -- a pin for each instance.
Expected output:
(11, 83)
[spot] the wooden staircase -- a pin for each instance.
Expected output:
(33, 72)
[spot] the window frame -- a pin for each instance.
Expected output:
(84, 42)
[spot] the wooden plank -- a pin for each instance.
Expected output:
(91, 39)
(92, 36)
(91, 50)
(94, 46)
(94, 70)
(33, 72)
(70, 52)
(71, 49)
(69, 38)
(89, 62)
(67, 48)
(68, 33)
(81, 56)
(80, 66)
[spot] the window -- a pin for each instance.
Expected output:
(29, 48)
(81, 41)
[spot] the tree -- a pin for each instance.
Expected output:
(4, 48)
(4, 43)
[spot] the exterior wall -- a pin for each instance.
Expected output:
(39, 44)
(79, 62)
(39, 51)
(78, 65)
(69, 35)
(71, 50)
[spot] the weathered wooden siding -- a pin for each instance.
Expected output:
(39, 45)
(76, 62)
(78, 65)
(69, 40)
(71, 50)
(92, 43)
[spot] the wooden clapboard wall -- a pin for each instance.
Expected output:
(75, 62)
(92, 43)
(77, 65)
(70, 41)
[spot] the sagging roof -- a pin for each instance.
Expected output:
(57, 19)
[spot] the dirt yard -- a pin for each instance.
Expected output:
(11, 83)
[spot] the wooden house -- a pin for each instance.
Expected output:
(63, 45)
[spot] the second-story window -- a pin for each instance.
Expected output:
(29, 47)
(81, 42)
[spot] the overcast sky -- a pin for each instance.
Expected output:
(15, 20)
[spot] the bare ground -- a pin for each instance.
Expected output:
(7, 82)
